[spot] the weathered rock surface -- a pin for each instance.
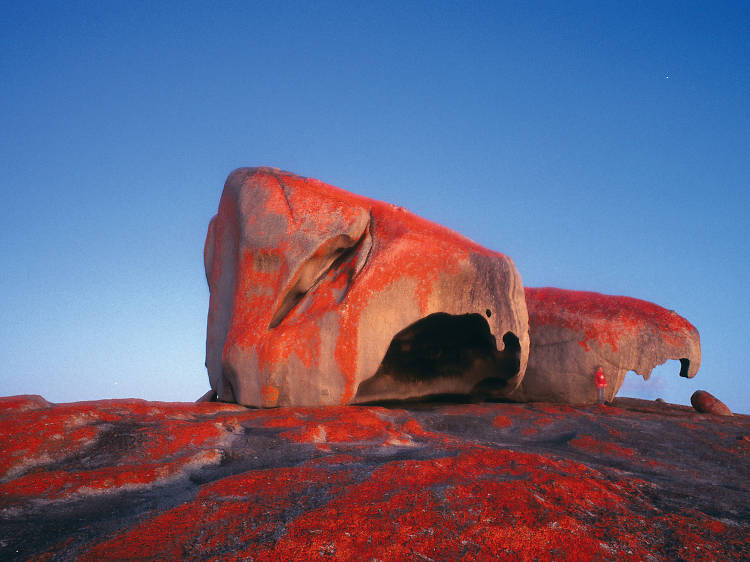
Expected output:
(323, 297)
(128, 479)
(574, 332)
(706, 402)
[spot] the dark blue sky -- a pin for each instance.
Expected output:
(604, 146)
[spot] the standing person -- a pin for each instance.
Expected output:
(601, 383)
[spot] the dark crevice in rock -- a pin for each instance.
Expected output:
(439, 350)
(330, 257)
(684, 367)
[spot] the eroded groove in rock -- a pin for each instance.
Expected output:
(332, 255)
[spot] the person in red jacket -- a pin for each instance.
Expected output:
(601, 383)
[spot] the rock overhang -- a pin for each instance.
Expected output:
(573, 333)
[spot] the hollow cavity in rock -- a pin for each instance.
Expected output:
(445, 354)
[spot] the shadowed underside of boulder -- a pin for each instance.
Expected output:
(320, 296)
(575, 332)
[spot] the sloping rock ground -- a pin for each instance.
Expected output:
(128, 479)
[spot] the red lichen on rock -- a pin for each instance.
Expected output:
(473, 483)
(502, 421)
(58, 431)
(171, 437)
(350, 426)
(584, 343)
(347, 425)
(237, 510)
(603, 319)
(290, 259)
(588, 443)
(55, 485)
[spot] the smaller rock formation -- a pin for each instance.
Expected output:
(575, 332)
(707, 403)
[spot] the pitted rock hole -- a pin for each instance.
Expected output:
(684, 367)
(443, 354)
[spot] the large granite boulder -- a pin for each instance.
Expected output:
(322, 297)
(573, 333)
(136, 480)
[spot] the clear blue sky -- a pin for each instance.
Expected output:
(604, 146)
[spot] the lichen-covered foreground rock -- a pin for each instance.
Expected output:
(128, 479)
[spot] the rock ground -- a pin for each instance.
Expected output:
(129, 479)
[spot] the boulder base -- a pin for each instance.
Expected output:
(128, 479)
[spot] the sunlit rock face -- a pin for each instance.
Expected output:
(320, 296)
(575, 332)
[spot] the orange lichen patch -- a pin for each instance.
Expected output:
(58, 431)
(591, 445)
(616, 434)
(349, 425)
(226, 515)
(269, 394)
(23, 402)
(527, 414)
(741, 448)
(62, 430)
(282, 417)
(603, 319)
(479, 503)
(516, 412)
(517, 517)
(502, 421)
(455, 500)
(130, 408)
(55, 485)
(173, 436)
(414, 428)
(260, 482)
(700, 537)
(184, 532)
